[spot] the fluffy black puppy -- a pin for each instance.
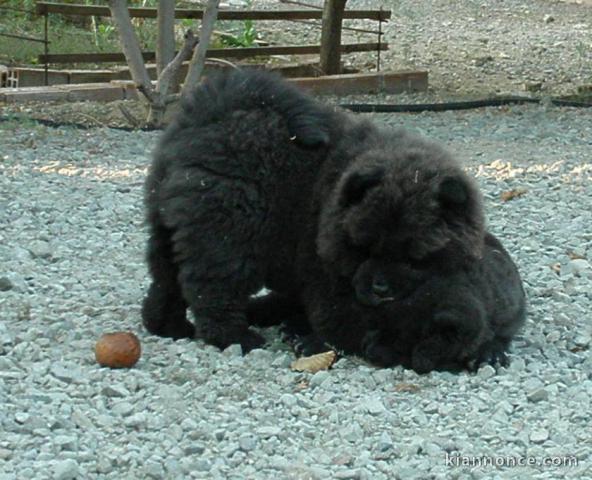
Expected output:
(255, 184)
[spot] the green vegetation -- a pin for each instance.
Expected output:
(91, 34)
(246, 38)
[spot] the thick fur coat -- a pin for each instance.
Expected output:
(255, 184)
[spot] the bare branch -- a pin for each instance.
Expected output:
(131, 47)
(221, 61)
(135, 123)
(165, 45)
(197, 63)
(168, 78)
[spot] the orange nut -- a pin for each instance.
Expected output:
(118, 350)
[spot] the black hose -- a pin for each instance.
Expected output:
(442, 107)
(358, 108)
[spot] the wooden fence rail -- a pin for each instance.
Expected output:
(237, 53)
(44, 8)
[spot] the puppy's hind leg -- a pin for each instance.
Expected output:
(164, 311)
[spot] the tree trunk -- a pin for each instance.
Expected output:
(131, 47)
(165, 45)
(331, 36)
(198, 61)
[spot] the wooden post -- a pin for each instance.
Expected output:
(165, 46)
(331, 36)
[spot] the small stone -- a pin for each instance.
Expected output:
(374, 406)
(203, 464)
(486, 371)
(288, 400)
(267, 432)
(537, 395)
(517, 365)
(352, 433)
(194, 449)
(66, 442)
(66, 470)
(234, 350)
(548, 18)
(21, 417)
(123, 408)
(283, 360)
(385, 442)
(349, 474)
(5, 284)
(553, 336)
(5, 454)
(138, 420)
(189, 425)
(247, 443)
(539, 436)
(115, 391)
(318, 378)
(69, 374)
(583, 339)
(40, 249)
(578, 267)
(153, 469)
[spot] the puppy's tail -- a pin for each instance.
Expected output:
(308, 121)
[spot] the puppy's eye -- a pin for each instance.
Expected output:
(380, 287)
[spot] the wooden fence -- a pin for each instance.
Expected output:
(47, 58)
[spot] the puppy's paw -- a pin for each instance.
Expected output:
(491, 353)
(376, 352)
(251, 340)
(427, 356)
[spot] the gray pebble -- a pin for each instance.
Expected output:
(247, 443)
(318, 378)
(234, 350)
(537, 395)
(350, 474)
(539, 436)
(5, 284)
(40, 249)
(485, 372)
(66, 470)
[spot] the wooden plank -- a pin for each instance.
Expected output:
(365, 83)
(88, 10)
(389, 82)
(214, 52)
(100, 92)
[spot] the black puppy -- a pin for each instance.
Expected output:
(256, 184)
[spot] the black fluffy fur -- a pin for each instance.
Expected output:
(442, 320)
(255, 184)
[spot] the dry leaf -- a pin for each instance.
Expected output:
(302, 385)
(314, 363)
(514, 193)
(407, 387)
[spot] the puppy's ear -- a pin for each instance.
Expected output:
(453, 191)
(357, 184)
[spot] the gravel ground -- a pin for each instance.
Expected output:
(471, 47)
(71, 268)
